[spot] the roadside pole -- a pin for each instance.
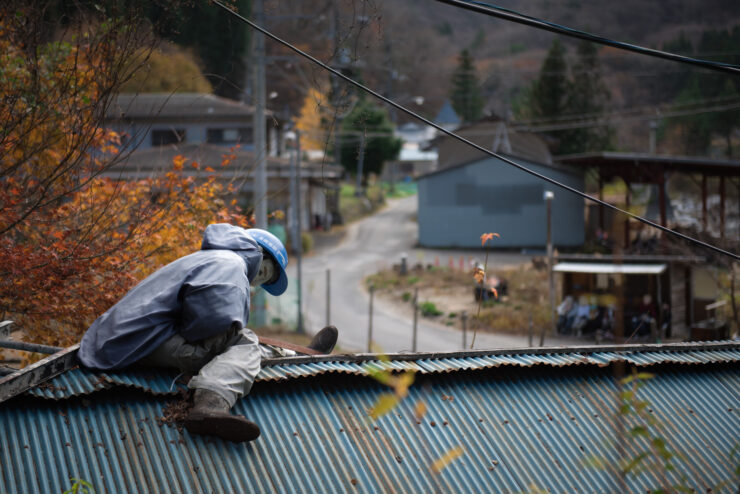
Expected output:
(299, 248)
(370, 321)
(549, 195)
(416, 318)
(259, 197)
(328, 296)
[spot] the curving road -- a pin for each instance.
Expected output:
(369, 245)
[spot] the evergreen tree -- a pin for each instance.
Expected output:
(466, 96)
(707, 88)
(369, 119)
(548, 96)
(587, 97)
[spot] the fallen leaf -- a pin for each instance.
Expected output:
(447, 458)
(386, 402)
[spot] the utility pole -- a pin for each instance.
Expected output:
(548, 197)
(297, 240)
(259, 196)
(260, 141)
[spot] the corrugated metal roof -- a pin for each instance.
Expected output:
(81, 381)
(530, 424)
(517, 433)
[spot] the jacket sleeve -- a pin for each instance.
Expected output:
(214, 297)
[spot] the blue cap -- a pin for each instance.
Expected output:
(275, 247)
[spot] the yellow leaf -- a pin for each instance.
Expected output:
(420, 409)
(178, 161)
(447, 458)
(386, 402)
(403, 382)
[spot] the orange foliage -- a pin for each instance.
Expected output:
(71, 241)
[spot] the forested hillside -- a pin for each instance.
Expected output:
(411, 48)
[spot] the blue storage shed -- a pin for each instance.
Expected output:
(459, 203)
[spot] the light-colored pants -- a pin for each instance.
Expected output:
(226, 363)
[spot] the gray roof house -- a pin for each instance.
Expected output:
(202, 127)
(150, 120)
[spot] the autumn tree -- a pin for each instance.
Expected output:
(466, 96)
(312, 120)
(73, 240)
(167, 69)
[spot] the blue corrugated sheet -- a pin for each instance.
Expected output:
(522, 427)
(81, 381)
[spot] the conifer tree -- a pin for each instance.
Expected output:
(587, 98)
(466, 96)
(549, 94)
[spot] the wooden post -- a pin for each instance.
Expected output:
(601, 198)
(627, 200)
(704, 202)
(416, 318)
(722, 207)
(662, 198)
(370, 321)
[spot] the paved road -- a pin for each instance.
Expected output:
(369, 245)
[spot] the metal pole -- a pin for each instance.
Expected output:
(328, 296)
(299, 249)
(260, 149)
(531, 330)
(464, 318)
(370, 321)
(29, 347)
(551, 280)
(360, 163)
(416, 318)
(259, 197)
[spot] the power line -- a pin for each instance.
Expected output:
(512, 15)
(469, 143)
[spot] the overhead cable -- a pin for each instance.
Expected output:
(469, 143)
(512, 15)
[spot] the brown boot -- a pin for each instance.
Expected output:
(210, 416)
(324, 340)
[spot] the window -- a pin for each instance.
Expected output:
(241, 135)
(169, 136)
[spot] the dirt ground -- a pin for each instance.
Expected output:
(449, 291)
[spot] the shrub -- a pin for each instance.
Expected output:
(429, 309)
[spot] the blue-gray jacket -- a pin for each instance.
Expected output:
(197, 296)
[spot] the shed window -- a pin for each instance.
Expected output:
(240, 135)
(169, 136)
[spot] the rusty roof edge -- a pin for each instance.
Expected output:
(560, 350)
(41, 371)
